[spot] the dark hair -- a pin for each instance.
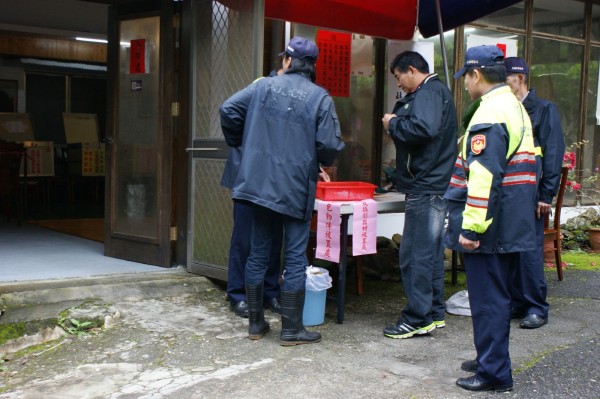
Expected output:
(492, 74)
(407, 59)
(304, 67)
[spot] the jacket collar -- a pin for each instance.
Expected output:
(497, 90)
(433, 76)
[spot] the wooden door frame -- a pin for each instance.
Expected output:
(181, 159)
(142, 250)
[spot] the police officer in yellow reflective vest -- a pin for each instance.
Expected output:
(491, 204)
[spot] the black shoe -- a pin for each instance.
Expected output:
(533, 321)
(470, 366)
(473, 384)
(273, 305)
(240, 308)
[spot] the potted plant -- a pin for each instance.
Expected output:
(587, 191)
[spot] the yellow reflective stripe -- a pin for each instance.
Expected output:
(479, 186)
(538, 151)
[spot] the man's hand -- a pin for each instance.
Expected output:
(386, 120)
(468, 244)
(323, 176)
(543, 208)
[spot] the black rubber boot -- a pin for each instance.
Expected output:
(257, 326)
(292, 328)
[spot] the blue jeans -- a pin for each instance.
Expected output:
(268, 224)
(239, 251)
(422, 259)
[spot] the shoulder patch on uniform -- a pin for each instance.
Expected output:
(478, 143)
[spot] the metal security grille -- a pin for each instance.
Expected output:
(223, 61)
(214, 218)
(222, 65)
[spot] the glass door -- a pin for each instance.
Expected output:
(138, 199)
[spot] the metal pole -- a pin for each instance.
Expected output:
(442, 42)
(258, 37)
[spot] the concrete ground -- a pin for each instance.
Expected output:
(172, 335)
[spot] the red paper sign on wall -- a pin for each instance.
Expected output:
(333, 64)
(137, 56)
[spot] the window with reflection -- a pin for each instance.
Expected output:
(511, 17)
(555, 72)
(564, 17)
(590, 164)
(595, 23)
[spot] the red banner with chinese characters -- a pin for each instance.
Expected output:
(333, 64)
(137, 56)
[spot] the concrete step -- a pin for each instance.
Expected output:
(35, 312)
(111, 287)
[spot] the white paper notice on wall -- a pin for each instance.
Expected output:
(508, 46)
(361, 62)
(396, 47)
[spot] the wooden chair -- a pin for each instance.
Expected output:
(552, 233)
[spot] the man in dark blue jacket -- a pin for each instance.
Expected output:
(286, 126)
(423, 126)
(530, 288)
(239, 248)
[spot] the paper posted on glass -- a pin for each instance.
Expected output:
(509, 47)
(364, 229)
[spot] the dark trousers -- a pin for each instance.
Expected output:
(239, 251)
(488, 278)
(268, 225)
(529, 287)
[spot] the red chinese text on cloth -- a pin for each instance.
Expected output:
(364, 230)
(328, 231)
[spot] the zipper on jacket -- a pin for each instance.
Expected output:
(408, 167)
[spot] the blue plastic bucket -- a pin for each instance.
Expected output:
(314, 307)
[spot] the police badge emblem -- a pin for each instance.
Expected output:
(477, 144)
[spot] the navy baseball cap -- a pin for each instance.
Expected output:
(300, 47)
(480, 57)
(516, 65)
